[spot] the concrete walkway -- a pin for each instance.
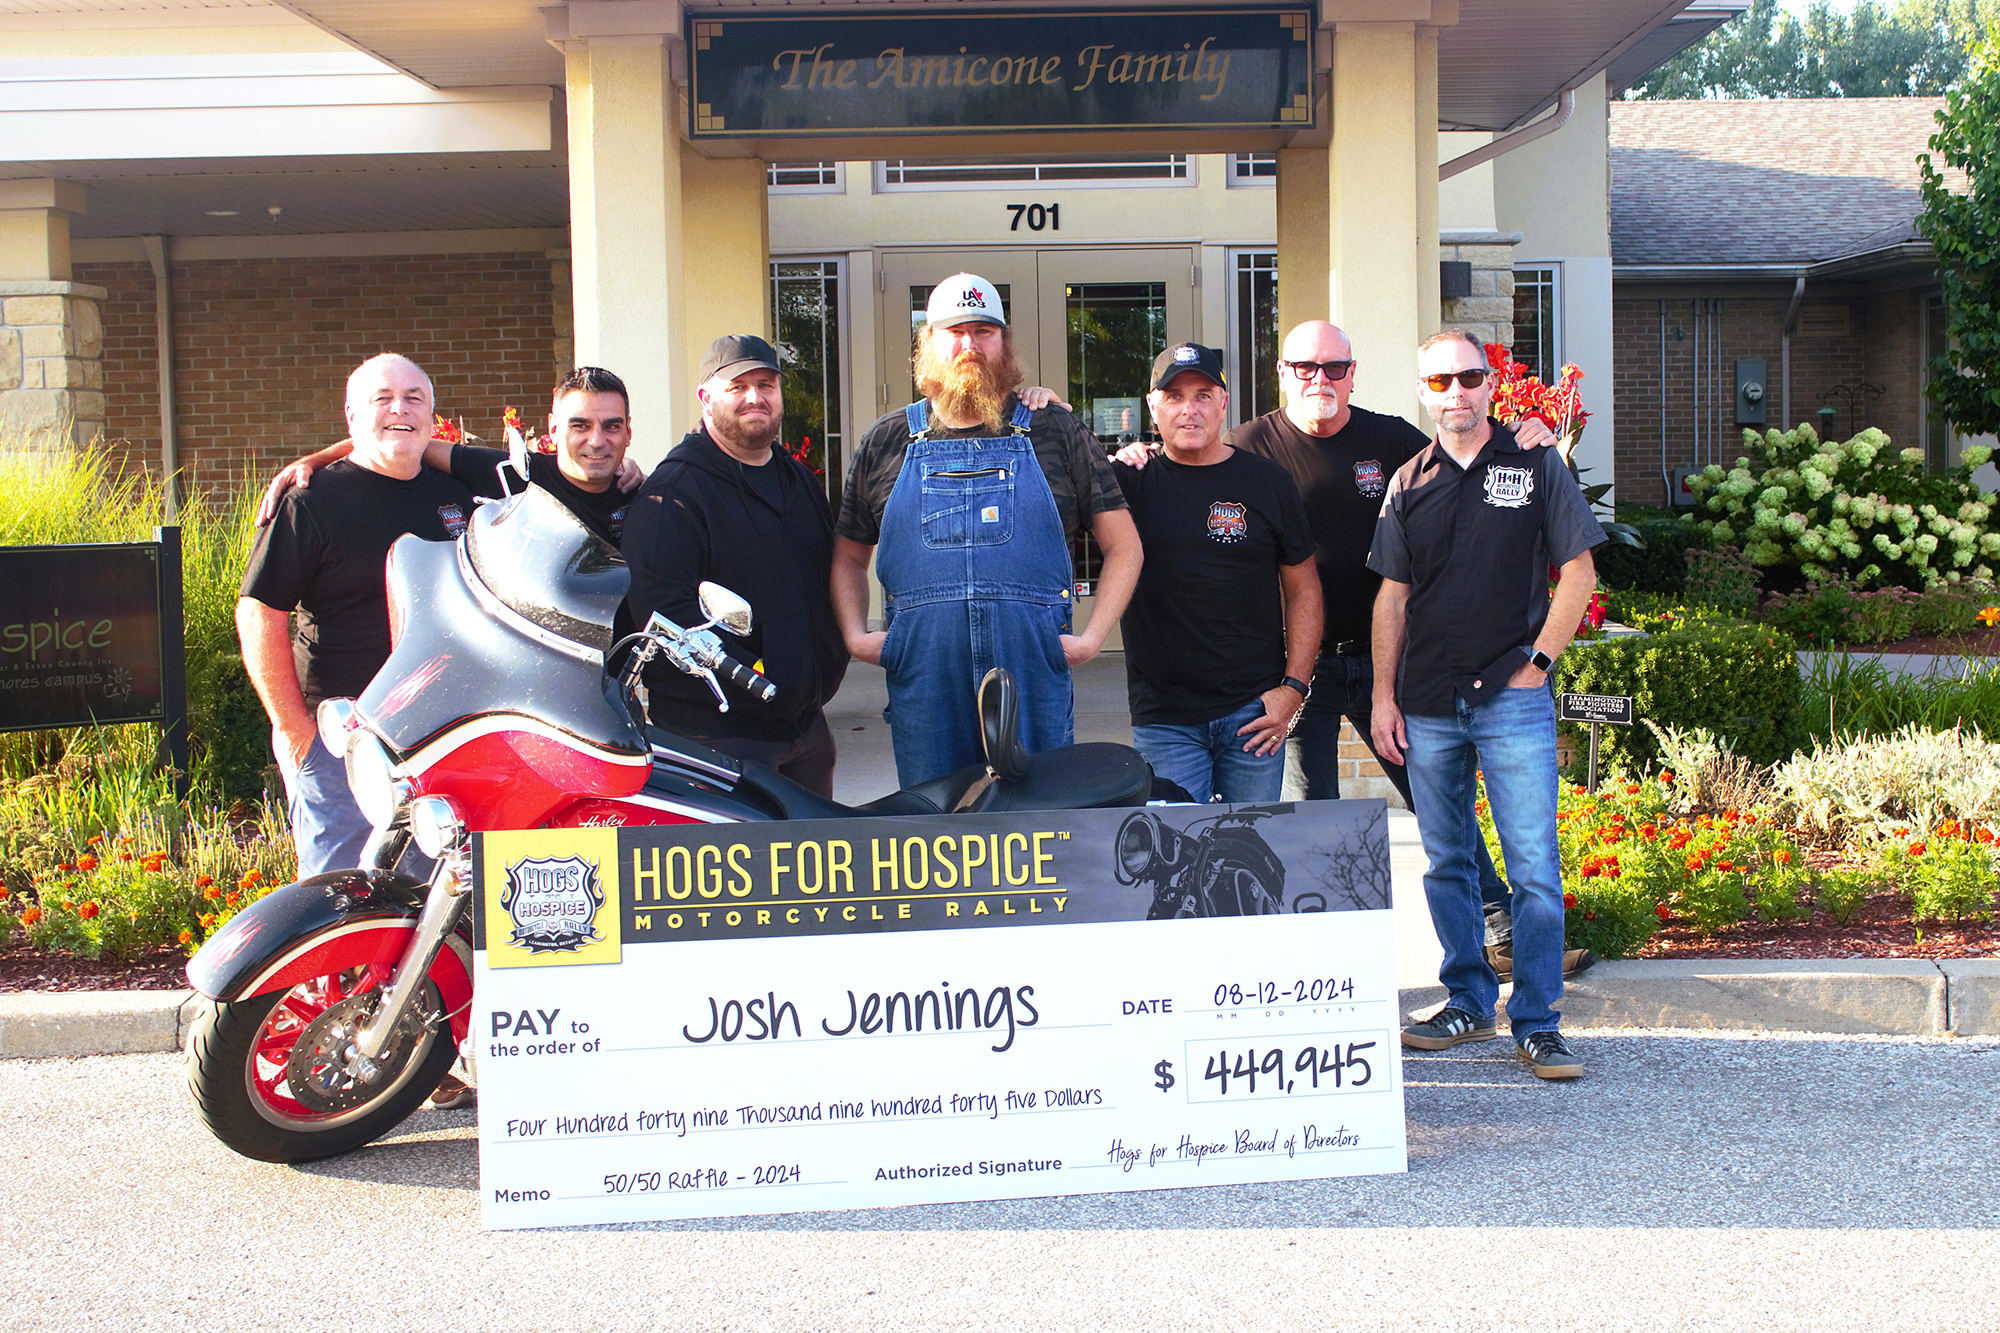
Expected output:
(1911, 997)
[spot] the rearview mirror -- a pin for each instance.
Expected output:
(725, 608)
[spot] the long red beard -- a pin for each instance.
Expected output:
(966, 389)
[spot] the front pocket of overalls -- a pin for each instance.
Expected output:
(968, 507)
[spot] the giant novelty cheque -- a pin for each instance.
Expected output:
(711, 1020)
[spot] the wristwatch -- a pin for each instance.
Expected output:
(1305, 690)
(1540, 660)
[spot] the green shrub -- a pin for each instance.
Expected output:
(1721, 577)
(1739, 681)
(1840, 893)
(1659, 566)
(1949, 880)
(1860, 509)
(59, 495)
(1654, 612)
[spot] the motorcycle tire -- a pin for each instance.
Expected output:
(237, 1055)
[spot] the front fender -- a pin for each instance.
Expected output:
(328, 923)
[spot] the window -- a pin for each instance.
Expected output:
(1253, 168)
(1155, 168)
(804, 177)
(805, 314)
(1538, 320)
(1253, 352)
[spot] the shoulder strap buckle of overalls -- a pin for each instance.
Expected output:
(917, 417)
(1023, 418)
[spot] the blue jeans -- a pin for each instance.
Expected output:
(1513, 739)
(1209, 760)
(1346, 685)
(327, 826)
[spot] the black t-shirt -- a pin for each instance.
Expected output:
(1077, 468)
(603, 512)
(1205, 632)
(1475, 544)
(1342, 478)
(324, 553)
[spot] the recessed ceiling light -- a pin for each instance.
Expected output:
(223, 212)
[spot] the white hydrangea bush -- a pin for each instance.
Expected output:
(1859, 509)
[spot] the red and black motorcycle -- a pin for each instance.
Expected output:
(341, 1000)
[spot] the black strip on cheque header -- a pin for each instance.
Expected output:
(697, 882)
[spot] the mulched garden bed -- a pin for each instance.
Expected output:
(1976, 642)
(23, 969)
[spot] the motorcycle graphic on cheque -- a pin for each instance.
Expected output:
(338, 1002)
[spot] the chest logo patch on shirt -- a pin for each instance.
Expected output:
(454, 519)
(1228, 521)
(1368, 477)
(990, 514)
(1509, 487)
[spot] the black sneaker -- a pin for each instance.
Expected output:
(1550, 1056)
(1447, 1028)
(1500, 957)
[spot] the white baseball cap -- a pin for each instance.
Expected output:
(964, 298)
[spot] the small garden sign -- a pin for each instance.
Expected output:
(1596, 709)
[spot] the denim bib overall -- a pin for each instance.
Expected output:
(975, 574)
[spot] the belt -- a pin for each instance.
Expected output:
(1350, 648)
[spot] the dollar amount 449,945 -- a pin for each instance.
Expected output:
(1239, 1070)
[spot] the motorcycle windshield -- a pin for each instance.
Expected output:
(542, 563)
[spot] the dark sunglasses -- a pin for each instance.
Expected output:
(1471, 379)
(1305, 370)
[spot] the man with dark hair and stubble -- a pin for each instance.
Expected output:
(729, 504)
(968, 500)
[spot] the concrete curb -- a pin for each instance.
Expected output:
(1906, 997)
(1899, 996)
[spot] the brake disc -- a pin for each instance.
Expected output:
(325, 1072)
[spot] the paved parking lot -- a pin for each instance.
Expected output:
(1711, 1181)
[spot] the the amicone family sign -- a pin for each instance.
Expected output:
(798, 75)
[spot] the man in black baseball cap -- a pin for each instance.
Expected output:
(1221, 633)
(730, 504)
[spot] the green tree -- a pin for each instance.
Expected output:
(1912, 48)
(1964, 228)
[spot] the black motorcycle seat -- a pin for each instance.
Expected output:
(1073, 778)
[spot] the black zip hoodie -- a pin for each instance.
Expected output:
(763, 533)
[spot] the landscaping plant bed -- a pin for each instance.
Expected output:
(1882, 928)
(25, 969)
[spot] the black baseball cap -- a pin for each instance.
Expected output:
(732, 355)
(1205, 361)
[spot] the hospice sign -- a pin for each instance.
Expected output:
(714, 1020)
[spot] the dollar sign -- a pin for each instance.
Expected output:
(1165, 1078)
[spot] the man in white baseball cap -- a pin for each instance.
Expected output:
(973, 499)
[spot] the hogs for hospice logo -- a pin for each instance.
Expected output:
(553, 903)
(454, 519)
(1368, 477)
(1509, 487)
(1228, 521)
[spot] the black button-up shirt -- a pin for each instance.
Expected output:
(1476, 545)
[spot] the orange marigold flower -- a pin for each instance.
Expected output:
(1660, 911)
(94, 840)
(1982, 835)
(1694, 863)
(1631, 789)
(89, 909)
(31, 916)
(64, 867)
(86, 862)
(1590, 916)
(231, 898)
(211, 893)
(207, 920)
(203, 881)
(1569, 900)
(251, 876)
(1666, 778)
(1781, 856)
(1725, 865)
(1648, 832)
(67, 905)
(124, 856)
(1917, 849)
(187, 937)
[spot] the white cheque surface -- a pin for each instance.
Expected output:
(725, 1077)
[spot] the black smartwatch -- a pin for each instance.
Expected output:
(1305, 690)
(1540, 660)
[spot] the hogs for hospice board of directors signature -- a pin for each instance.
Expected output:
(884, 1038)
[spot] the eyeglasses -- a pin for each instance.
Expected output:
(1471, 379)
(1305, 370)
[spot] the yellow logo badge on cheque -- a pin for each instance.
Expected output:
(552, 898)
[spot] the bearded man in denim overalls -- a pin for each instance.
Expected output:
(973, 500)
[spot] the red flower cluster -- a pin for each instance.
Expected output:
(1517, 395)
(541, 443)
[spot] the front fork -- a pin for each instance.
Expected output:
(451, 881)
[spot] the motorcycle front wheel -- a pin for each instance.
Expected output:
(275, 1079)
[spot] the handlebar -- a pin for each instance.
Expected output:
(697, 652)
(746, 679)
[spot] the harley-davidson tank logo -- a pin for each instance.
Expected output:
(553, 903)
(1368, 477)
(1228, 521)
(1509, 487)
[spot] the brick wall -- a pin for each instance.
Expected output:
(1840, 340)
(263, 348)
